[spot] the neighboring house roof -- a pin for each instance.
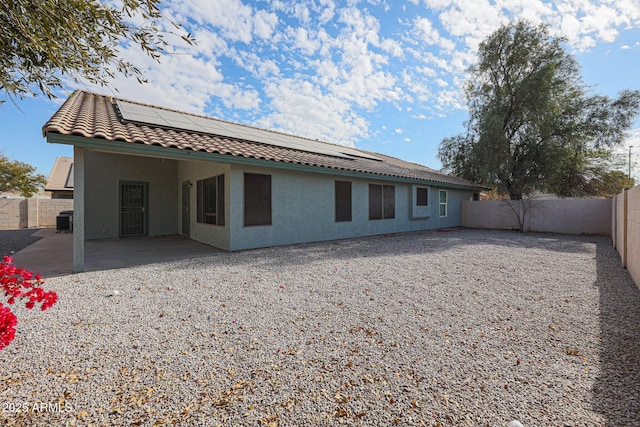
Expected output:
(61, 176)
(118, 121)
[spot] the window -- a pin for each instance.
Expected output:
(443, 202)
(211, 200)
(382, 201)
(422, 196)
(343, 201)
(257, 199)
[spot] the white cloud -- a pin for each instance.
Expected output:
(328, 12)
(441, 83)
(231, 17)
(264, 24)
(302, 108)
(319, 67)
(473, 19)
(430, 35)
(303, 42)
(260, 67)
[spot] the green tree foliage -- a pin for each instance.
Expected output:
(533, 125)
(19, 177)
(42, 41)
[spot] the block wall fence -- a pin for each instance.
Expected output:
(31, 213)
(563, 216)
(625, 230)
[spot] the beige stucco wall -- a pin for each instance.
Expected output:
(566, 216)
(633, 233)
(31, 213)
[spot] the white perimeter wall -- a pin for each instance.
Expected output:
(565, 216)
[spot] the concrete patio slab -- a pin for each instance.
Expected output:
(52, 254)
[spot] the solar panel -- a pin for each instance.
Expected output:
(132, 112)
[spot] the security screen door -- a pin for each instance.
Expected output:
(133, 208)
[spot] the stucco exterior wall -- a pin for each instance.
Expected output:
(303, 203)
(303, 210)
(192, 171)
(565, 216)
(103, 173)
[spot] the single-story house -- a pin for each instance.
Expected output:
(60, 182)
(143, 170)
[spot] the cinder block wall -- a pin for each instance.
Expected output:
(48, 210)
(10, 214)
(627, 226)
(564, 216)
(31, 213)
(633, 233)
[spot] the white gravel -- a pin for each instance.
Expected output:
(467, 327)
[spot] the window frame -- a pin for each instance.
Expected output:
(442, 204)
(426, 196)
(343, 201)
(212, 198)
(252, 200)
(382, 201)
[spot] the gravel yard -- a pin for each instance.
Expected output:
(467, 327)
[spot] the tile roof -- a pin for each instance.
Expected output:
(95, 116)
(61, 176)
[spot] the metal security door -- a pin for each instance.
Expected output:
(133, 208)
(186, 211)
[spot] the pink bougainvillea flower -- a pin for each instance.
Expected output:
(8, 322)
(19, 283)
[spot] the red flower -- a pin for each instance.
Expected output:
(18, 283)
(8, 322)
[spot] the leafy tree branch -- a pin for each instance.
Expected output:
(533, 126)
(43, 40)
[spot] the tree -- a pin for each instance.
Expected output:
(41, 41)
(532, 124)
(610, 183)
(20, 177)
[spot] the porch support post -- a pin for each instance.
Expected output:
(78, 209)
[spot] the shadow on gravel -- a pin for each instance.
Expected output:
(616, 393)
(12, 241)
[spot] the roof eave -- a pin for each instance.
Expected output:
(144, 150)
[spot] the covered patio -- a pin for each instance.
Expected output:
(52, 255)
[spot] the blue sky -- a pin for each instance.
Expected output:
(379, 75)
